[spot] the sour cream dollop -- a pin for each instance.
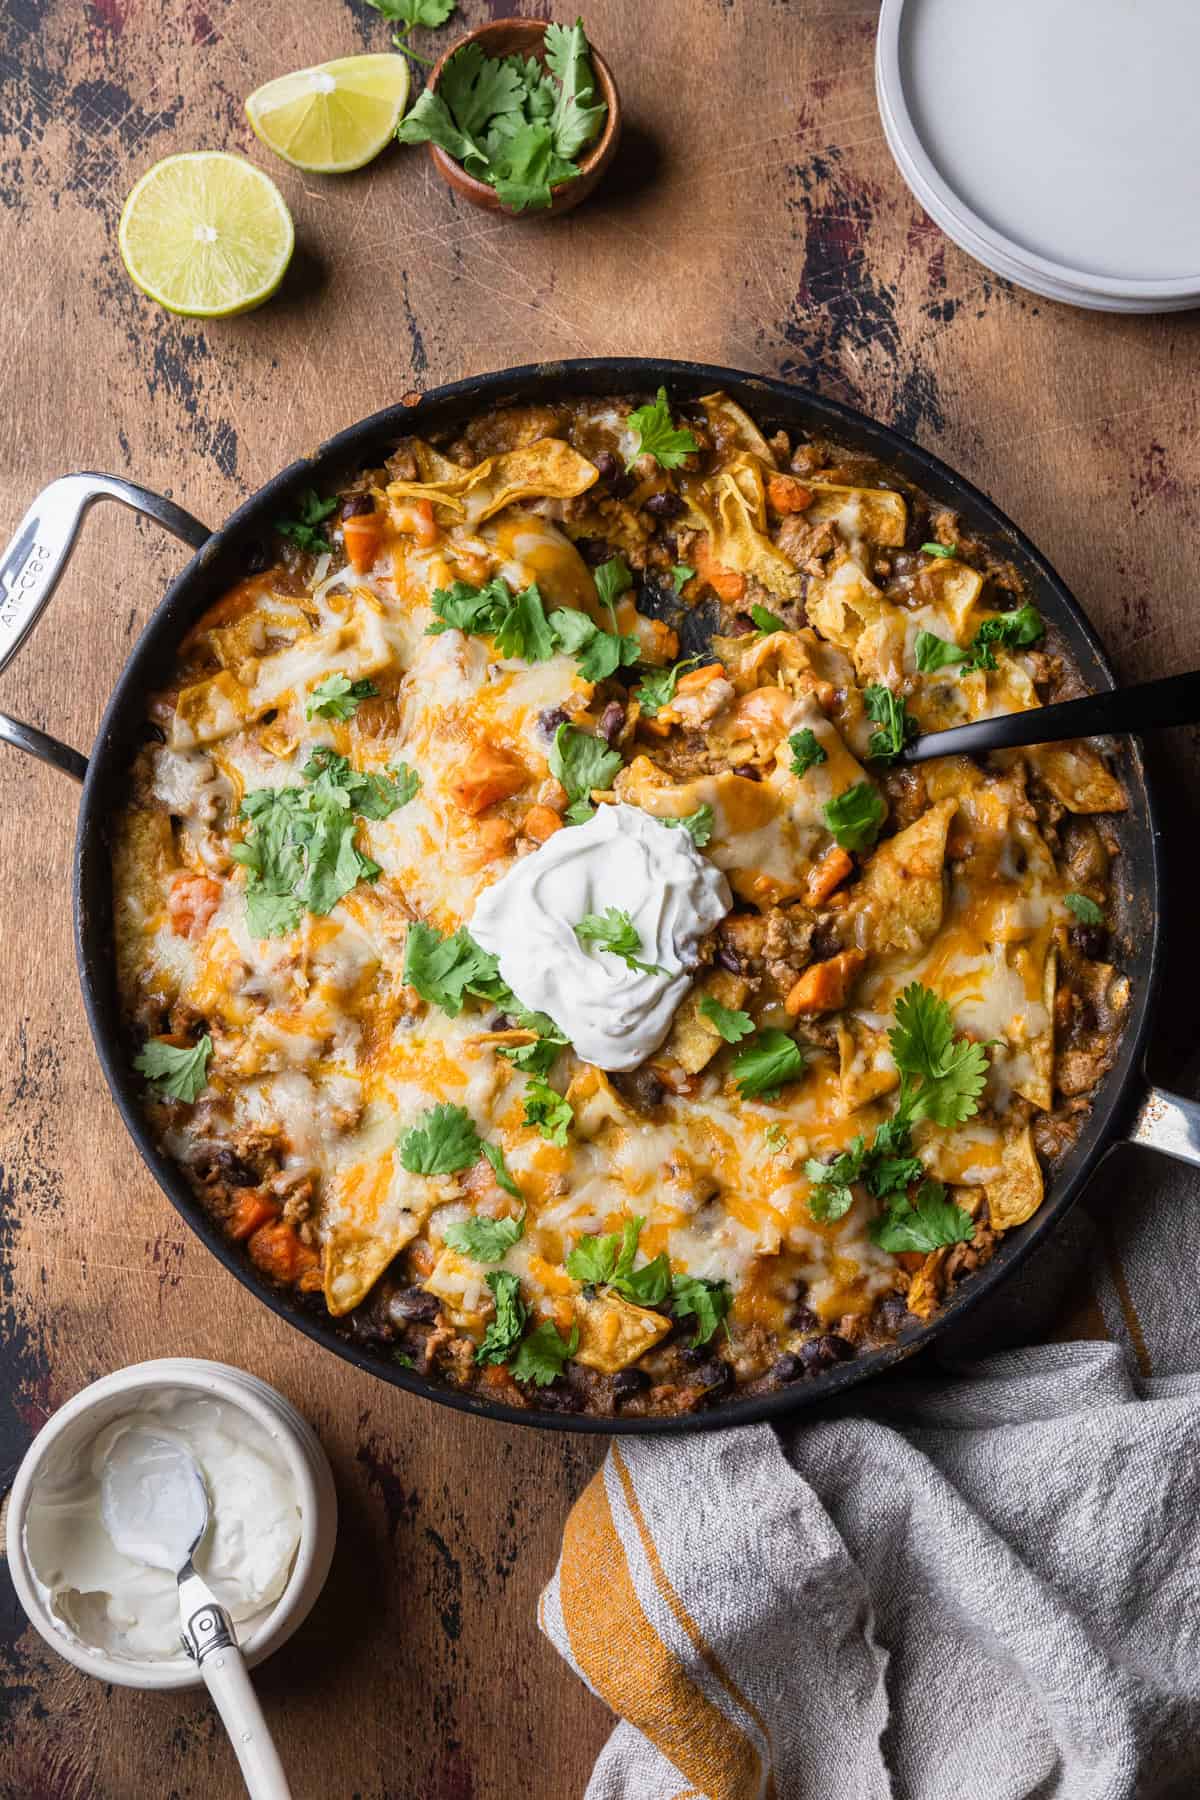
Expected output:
(615, 1016)
(124, 1605)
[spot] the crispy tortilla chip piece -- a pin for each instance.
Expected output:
(876, 515)
(547, 470)
(925, 1288)
(614, 1332)
(596, 1103)
(867, 1069)
(752, 839)
(847, 607)
(900, 900)
(694, 1040)
(732, 507)
(1015, 1191)
(955, 587)
(214, 708)
(734, 429)
(459, 1283)
(1078, 777)
(377, 1207)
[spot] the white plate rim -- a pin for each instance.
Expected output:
(1183, 290)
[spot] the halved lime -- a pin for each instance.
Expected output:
(206, 234)
(333, 118)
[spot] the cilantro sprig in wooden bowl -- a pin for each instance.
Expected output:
(538, 101)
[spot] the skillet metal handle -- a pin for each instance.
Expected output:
(1170, 1124)
(33, 563)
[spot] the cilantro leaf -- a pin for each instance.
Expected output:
(503, 1334)
(613, 578)
(1085, 910)
(1014, 630)
(768, 1061)
(517, 622)
(487, 1240)
(766, 620)
(855, 816)
(337, 697)
(681, 574)
(573, 628)
(940, 549)
(591, 1260)
(443, 1142)
(525, 630)
(807, 753)
(546, 1108)
(606, 1260)
(371, 796)
(444, 970)
(477, 87)
(897, 726)
(495, 1157)
(616, 932)
(544, 1353)
(657, 687)
(582, 762)
(935, 652)
(694, 1297)
(305, 529)
(925, 1224)
(414, 12)
(178, 1074)
(952, 1071)
(300, 852)
(776, 1137)
(577, 116)
(526, 167)
(698, 825)
(599, 653)
(658, 437)
(730, 1024)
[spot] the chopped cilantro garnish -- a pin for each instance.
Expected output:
(178, 1074)
(693, 1297)
(730, 1024)
(935, 652)
(807, 753)
(582, 762)
(487, 1240)
(517, 622)
(897, 726)
(547, 1109)
(681, 574)
(923, 1224)
(940, 549)
(657, 687)
(766, 620)
(409, 13)
(613, 578)
(504, 1333)
(770, 1060)
(616, 932)
(1085, 910)
(855, 816)
(299, 853)
(698, 825)
(607, 1261)
(337, 697)
(443, 1142)
(543, 1353)
(444, 970)
(305, 529)
(658, 437)
(1014, 630)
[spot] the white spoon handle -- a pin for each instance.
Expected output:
(226, 1679)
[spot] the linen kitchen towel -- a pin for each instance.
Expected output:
(982, 1584)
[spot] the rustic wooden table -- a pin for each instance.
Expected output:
(754, 218)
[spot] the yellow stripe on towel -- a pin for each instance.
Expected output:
(618, 1652)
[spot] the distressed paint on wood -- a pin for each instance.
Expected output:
(755, 218)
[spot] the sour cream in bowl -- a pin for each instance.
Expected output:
(266, 1553)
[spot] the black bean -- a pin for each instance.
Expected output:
(627, 1382)
(354, 504)
(826, 938)
(729, 959)
(890, 1315)
(641, 1087)
(803, 1318)
(788, 1367)
(1090, 941)
(152, 733)
(220, 1163)
(665, 505)
(558, 1397)
(714, 1376)
(413, 1303)
(822, 1353)
(694, 1355)
(611, 721)
(551, 718)
(748, 772)
(617, 480)
(500, 1022)
(594, 550)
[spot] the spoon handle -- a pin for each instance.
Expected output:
(228, 1683)
(210, 1639)
(1175, 700)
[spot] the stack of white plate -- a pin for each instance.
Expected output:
(1057, 141)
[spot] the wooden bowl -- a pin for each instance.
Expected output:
(527, 37)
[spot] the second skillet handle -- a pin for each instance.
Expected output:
(1168, 1123)
(33, 563)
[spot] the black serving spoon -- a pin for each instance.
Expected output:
(1173, 701)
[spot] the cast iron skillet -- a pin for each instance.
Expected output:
(1126, 1108)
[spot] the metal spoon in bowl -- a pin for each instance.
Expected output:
(1175, 700)
(154, 1503)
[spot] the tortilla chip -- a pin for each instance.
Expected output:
(1015, 1192)
(376, 1208)
(925, 1288)
(846, 607)
(876, 514)
(547, 470)
(596, 1103)
(732, 507)
(901, 896)
(459, 1283)
(614, 1332)
(1078, 777)
(733, 429)
(694, 1040)
(867, 1069)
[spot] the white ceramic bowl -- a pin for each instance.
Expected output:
(81, 1418)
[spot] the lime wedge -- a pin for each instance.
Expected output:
(206, 234)
(335, 117)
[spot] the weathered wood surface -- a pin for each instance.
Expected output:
(754, 218)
